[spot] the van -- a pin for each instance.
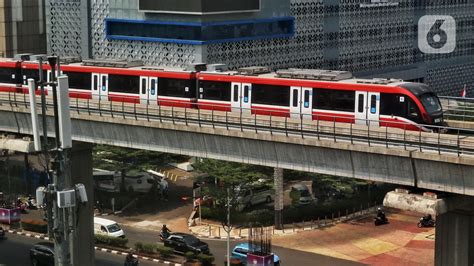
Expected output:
(107, 227)
(106, 180)
(249, 196)
(139, 182)
(305, 195)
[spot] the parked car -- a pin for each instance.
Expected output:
(249, 196)
(107, 227)
(305, 195)
(2, 233)
(241, 251)
(42, 254)
(182, 243)
(106, 180)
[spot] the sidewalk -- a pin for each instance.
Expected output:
(400, 242)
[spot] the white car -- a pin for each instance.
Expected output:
(107, 227)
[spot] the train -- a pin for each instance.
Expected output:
(309, 94)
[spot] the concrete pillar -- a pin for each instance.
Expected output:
(455, 237)
(278, 176)
(81, 172)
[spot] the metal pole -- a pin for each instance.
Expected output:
(228, 225)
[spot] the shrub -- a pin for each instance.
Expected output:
(111, 241)
(165, 252)
(35, 226)
(139, 246)
(206, 260)
(190, 256)
(150, 248)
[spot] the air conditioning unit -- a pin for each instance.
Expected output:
(67, 198)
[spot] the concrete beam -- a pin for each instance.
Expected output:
(18, 145)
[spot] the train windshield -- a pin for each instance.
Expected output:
(431, 103)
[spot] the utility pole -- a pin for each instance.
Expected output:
(60, 195)
(227, 226)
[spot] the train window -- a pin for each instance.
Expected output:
(79, 80)
(32, 74)
(176, 88)
(96, 80)
(392, 104)
(144, 85)
(413, 111)
(8, 75)
(236, 93)
(271, 95)
(337, 100)
(122, 83)
(295, 98)
(153, 86)
(246, 93)
(361, 103)
(213, 90)
(373, 104)
(306, 99)
(431, 103)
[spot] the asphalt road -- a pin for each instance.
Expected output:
(15, 251)
(288, 257)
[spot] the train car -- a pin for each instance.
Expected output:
(320, 95)
(121, 81)
(10, 76)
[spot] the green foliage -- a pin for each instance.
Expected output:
(139, 246)
(206, 260)
(36, 226)
(111, 241)
(165, 252)
(190, 256)
(150, 248)
(231, 174)
(295, 196)
(262, 217)
(116, 158)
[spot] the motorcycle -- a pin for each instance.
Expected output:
(424, 222)
(131, 260)
(164, 235)
(380, 220)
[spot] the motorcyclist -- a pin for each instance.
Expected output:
(131, 260)
(165, 231)
(381, 214)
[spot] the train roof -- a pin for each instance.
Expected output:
(319, 75)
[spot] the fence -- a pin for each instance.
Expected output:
(213, 230)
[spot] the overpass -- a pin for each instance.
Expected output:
(432, 161)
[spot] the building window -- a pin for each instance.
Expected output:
(199, 33)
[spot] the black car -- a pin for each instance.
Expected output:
(42, 254)
(182, 243)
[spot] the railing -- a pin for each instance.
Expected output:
(322, 127)
(458, 108)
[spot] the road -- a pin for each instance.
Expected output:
(15, 249)
(218, 249)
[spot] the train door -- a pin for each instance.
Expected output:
(148, 90)
(300, 102)
(236, 97)
(367, 108)
(100, 86)
(246, 92)
(361, 108)
(241, 97)
(373, 110)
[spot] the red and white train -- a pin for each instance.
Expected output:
(311, 94)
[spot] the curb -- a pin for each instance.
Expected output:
(217, 237)
(112, 251)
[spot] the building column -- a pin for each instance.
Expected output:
(455, 237)
(278, 176)
(81, 172)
